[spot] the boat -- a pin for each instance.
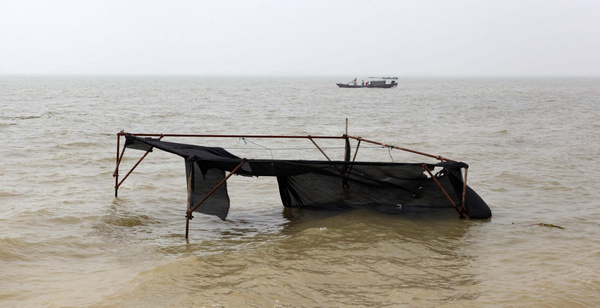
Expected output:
(327, 184)
(374, 82)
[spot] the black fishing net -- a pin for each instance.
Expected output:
(322, 184)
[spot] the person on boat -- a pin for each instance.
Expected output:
(354, 81)
(363, 82)
(367, 83)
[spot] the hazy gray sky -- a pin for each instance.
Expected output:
(403, 38)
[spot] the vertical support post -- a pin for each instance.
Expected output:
(464, 192)
(353, 159)
(187, 227)
(116, 174)
(190, 211)
(189, 191)
(346, 126)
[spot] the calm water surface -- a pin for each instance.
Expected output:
(532, 146)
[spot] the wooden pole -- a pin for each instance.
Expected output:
(463, 207)
(346, 126)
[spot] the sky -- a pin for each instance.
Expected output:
(303, 37)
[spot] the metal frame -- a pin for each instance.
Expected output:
(119, 156)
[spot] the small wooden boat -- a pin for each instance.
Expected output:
(371, 83)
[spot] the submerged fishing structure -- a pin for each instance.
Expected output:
(314, 184)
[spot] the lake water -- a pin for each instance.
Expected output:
(533, 147)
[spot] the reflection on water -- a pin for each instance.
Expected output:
(322, 258)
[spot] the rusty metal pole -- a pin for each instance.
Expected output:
(237, 136)
(189, 212)
(356, 152)
(244, 160)
(187, 227)
(353, 160)
(329, 159)
(116, 174)
(135, 166)
(438, 157)
(460, 213)
(187, 217)
(319, 148)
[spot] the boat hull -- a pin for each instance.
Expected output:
(344, 85)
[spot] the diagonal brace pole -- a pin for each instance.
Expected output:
(460, 212)
(130, 171)
(319, 148)
(189, 212)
